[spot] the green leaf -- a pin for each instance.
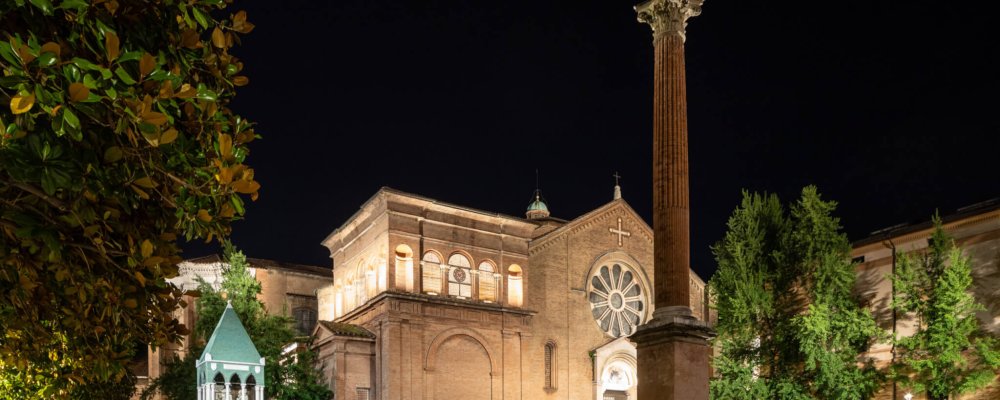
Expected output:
(8, 54)
(78, 5)
(205, 94)
(71, 72)
(44, 5)
(237, 204)
(102, 29)
(47, 59)
(130, 56)
(70, 118)
(86, 64)
(11, 82)
(124, 76)
(200, 17)
(89, 82)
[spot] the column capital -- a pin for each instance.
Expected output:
(668, 17)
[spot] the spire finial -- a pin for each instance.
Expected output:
(618, 188)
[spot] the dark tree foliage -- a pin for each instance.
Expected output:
(949, 354)
(115, 141)
(789, 325)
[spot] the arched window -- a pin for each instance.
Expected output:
(251, 388)
(459, 276)
(487, 282)
(350, 298)
(404, 268)
(515, 289)
(431, 273)
(220, 387)
(234, 387)
(371, 280)
(360, 277)
(550, 360)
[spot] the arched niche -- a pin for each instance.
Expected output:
(403, 267)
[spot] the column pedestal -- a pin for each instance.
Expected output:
(673, 359)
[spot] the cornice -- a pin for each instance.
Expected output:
(905, 237)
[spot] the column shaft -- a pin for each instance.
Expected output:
(671, 212)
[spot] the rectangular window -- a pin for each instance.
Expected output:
(363, 393)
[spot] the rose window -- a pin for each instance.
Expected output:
(617, 300)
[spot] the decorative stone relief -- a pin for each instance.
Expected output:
(668, 17)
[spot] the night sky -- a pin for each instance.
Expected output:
(890, 107)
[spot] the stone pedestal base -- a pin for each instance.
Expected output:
(673, 357)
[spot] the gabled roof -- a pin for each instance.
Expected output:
(583, 220)
(344, 329)
(230, 341)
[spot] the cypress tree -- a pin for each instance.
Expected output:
(949, 354)
(789, 326)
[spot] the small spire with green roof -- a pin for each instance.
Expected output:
(231, 360)
(537, 208)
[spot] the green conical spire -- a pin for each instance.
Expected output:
(230, 341)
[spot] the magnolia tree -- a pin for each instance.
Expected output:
(115, 141)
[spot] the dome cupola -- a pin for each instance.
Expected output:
(537, 208)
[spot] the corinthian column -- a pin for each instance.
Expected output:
(672, 348)
(671, 220)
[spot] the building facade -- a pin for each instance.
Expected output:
(431, 300)
(976, 230)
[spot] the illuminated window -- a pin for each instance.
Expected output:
(487, 282)
(431, 273)
(459, 276)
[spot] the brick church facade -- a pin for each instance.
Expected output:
(436, 301)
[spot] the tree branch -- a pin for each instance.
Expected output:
(58, 204)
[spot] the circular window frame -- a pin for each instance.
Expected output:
(613, 301)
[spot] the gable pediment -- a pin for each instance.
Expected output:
(602, 221)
